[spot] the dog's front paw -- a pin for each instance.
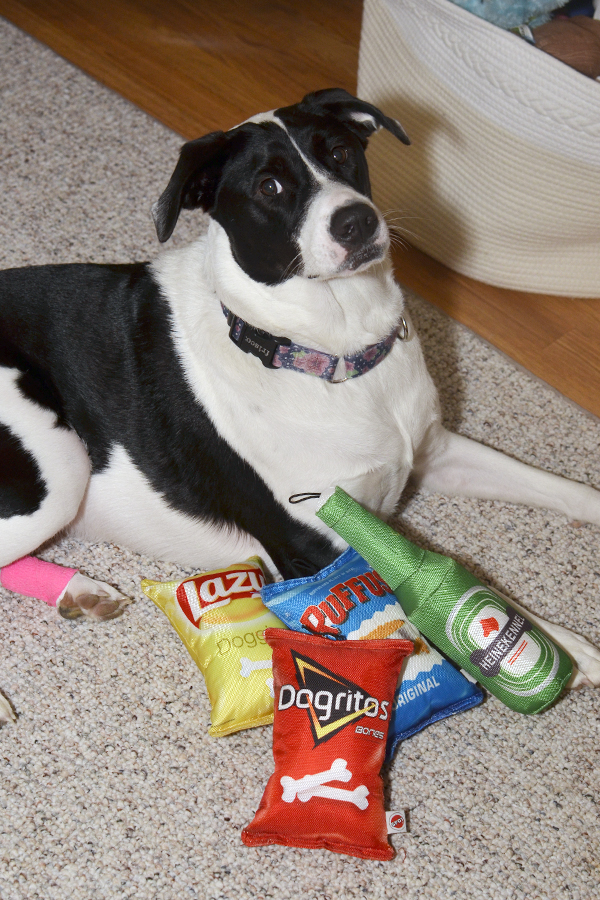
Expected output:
(95, 599)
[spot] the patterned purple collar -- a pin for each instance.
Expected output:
(281, 353)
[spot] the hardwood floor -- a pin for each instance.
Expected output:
(201, 65)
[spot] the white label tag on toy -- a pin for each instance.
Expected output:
(468, 676)
(396, 821)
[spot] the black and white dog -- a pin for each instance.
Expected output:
(129, 411)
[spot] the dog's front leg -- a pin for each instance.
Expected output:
(72, 593)
(454, 465)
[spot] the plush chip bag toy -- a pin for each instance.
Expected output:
(221, 619)
(347, 599)
(333, 702)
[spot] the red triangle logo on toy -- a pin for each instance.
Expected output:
(489, 625)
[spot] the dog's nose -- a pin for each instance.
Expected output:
(353, 225)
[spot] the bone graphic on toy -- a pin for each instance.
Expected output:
(249, 666)
(269, 684)
(358, 796)
(294, 786)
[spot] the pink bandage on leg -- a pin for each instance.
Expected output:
(36, 578)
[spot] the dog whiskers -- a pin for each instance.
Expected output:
(291, 268)
(396, 241)
(397, 237)
(392, 218)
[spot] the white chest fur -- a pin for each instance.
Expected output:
(299, 432)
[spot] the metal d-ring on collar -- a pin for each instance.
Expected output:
(281, 353)
(401, 335)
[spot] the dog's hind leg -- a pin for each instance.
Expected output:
(454, 465)
(44, 472)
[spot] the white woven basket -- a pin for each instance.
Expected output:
(502, 181)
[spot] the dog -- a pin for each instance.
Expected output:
(179, 407)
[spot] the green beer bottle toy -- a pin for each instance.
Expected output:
(469, 622)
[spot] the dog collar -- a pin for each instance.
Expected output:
(282, 353)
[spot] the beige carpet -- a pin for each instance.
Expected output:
(111, 787)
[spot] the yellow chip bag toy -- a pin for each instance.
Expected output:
(221, 619)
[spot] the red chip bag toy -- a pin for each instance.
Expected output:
(333, 701)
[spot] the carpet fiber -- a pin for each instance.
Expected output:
(111, 787)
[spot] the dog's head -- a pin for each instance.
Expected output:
(290, 188)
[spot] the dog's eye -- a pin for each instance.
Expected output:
(340, 154)
(270, 186)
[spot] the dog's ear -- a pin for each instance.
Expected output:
(361, 117)
(194, 182)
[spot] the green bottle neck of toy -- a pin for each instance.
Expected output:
(414, 574)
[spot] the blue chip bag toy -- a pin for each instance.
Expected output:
(348, 599)
(431, 689)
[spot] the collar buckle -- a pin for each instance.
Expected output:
(255, 341)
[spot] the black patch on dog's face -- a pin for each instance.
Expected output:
(320, 136)
(332, 119)
(261, 200)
